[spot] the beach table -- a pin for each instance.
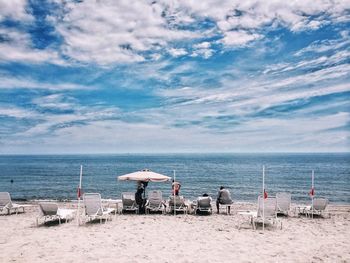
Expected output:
(116, 204)
(247, 214)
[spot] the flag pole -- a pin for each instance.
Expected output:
(313, 192)
(174, 194)
(263, 197)
(79, 193)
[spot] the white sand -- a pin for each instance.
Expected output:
(184, 238)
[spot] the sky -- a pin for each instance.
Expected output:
(174, 76)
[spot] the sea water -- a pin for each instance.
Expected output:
(57, 176)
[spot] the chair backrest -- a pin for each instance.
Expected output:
(320, 203)
(283, 201)
(178, 201)
(225, 196)
(270, 207)
(93, 204)
(128, 199)
(5, 199)
(48, 209)
(155, 197)
(204, 201)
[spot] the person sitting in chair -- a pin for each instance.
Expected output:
(224, 198)
(176, 187)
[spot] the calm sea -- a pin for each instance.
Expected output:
(57, 176)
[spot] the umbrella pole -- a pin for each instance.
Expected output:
(174, 194)
(263, 197)
(79, 193)
(313, 191)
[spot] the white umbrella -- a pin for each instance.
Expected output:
(144, 175)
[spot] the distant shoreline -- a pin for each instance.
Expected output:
(170, 153)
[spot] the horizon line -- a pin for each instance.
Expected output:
(174, 153)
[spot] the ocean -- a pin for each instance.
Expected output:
(32, 177)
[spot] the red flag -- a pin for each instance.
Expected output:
(79, 192)
(312, 191)
(265, 194)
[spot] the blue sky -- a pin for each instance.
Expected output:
(174, 76)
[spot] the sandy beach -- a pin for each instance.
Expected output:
(181, 238)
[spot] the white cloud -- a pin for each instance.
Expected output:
(248, 96)
(322, 61)
(204, 45)
(7, 82)
(17, 112)
(205, 53)
(326, 45)
(14, 9)
(177, 52)
(202, 49)
(239, 38)
(18, 47)
(107, 31)
(55, 101)
(21, 53)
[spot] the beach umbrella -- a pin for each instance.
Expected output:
(144, 175)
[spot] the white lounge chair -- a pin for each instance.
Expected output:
(268, 214)
(7, 205)
(129, 203)
(155, 202)
(318, 208)
(267, 211)
(178, 204)
(283, 203)
(93, 208)
(203, 204)
(51, 212)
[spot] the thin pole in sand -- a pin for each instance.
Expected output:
(312, 193)
(263, 197)
(79, 193)
(174, 194)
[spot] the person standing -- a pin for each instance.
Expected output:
(140, 201)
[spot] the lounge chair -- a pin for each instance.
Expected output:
(129, 203)
(93, 208)
(51, 212)
(283, 203)
(7, 205)
(155, 202)
(178, 204)
(318, 208)
(266, 215)
(203, 205)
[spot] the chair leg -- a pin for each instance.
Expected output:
(255, 223)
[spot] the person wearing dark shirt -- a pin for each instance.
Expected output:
(139, 200)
